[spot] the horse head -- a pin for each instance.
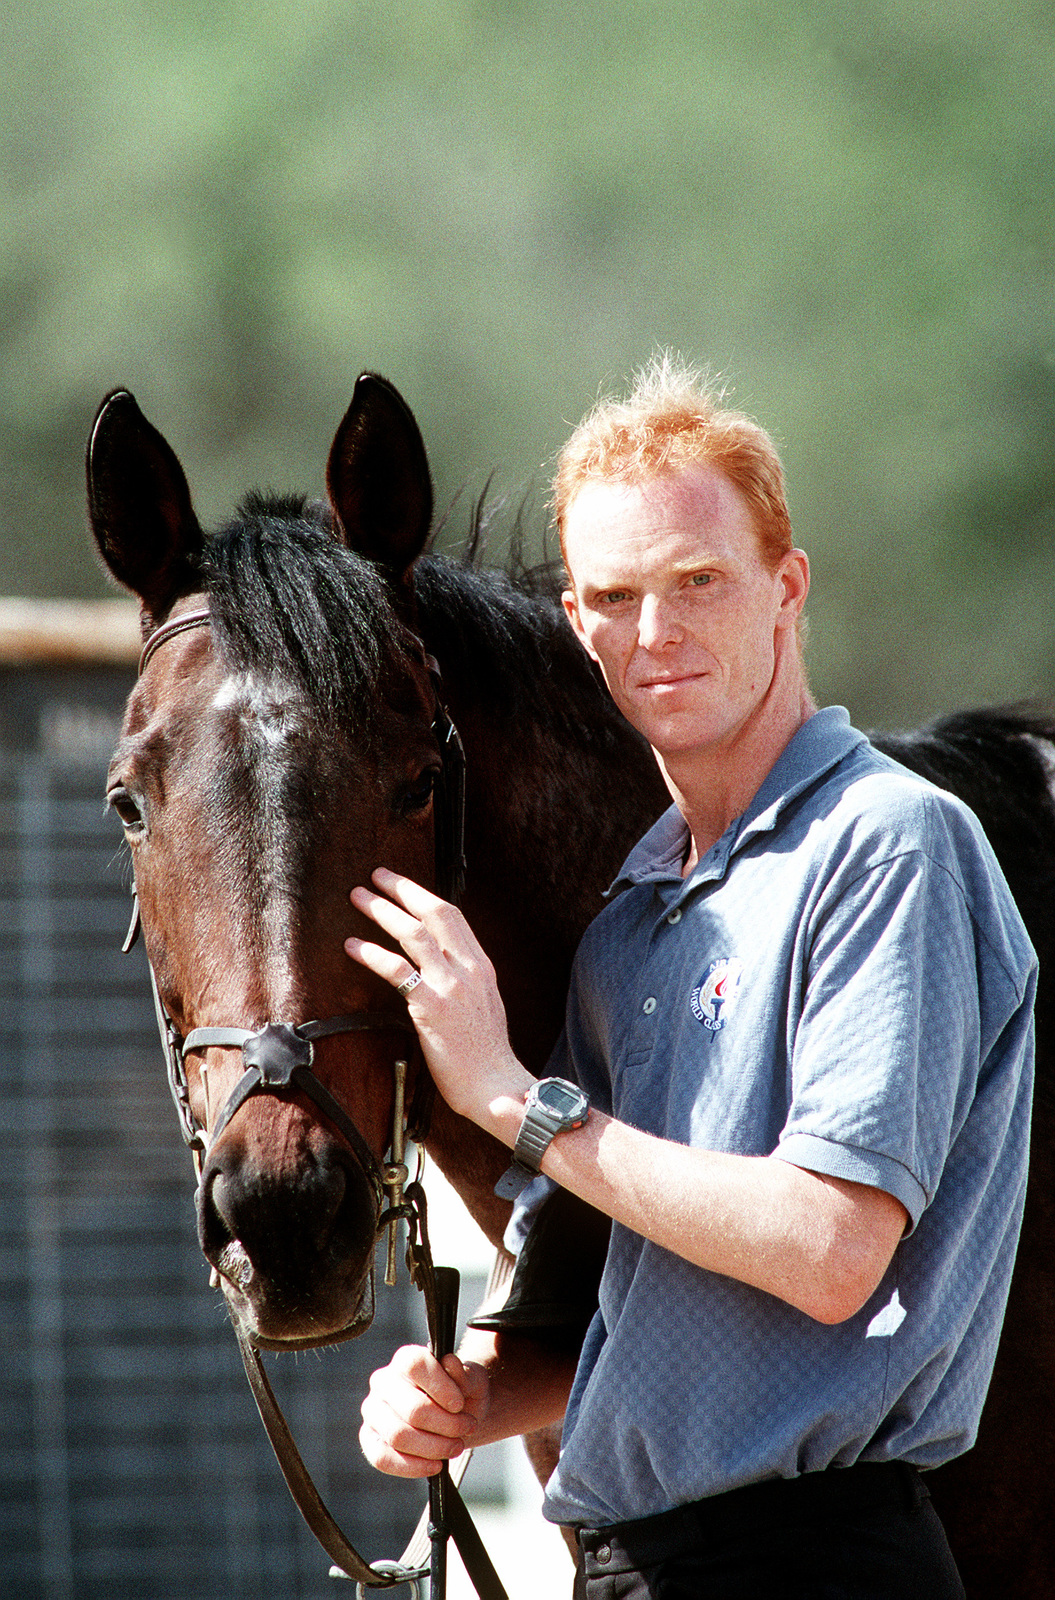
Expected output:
(281, 742)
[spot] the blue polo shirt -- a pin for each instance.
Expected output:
(844, 983)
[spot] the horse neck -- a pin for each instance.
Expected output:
(556, 795)
(558, 785)
(557, 789)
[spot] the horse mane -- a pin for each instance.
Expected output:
(504, 632)
(503, 629)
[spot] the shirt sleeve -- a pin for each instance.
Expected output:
(888, 1041)
(526, 1207)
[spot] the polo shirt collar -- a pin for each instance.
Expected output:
(818, 746)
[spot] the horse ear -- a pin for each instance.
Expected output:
(139, 506)
(378, 479)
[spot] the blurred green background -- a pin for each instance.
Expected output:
(846, 211)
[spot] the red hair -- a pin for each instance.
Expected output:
(673, 418)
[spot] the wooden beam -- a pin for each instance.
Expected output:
(61, 632)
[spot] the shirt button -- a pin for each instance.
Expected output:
(603, 1553)
(649, 1005)
(675, 916)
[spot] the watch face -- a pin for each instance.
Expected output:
(560, 1098)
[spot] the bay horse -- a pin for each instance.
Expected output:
(285, 737)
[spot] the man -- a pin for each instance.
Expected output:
(804, 1027)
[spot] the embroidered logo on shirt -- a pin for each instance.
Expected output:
(712, 999)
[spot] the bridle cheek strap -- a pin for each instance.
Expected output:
(279, 1058)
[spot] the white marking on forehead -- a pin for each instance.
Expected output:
(274, 706)
(261, 696)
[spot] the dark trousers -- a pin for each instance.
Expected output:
(867, 1532)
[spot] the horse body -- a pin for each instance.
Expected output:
(996, 1515)
(270, 761)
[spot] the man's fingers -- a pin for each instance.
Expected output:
(386, 1459)
(394, 918)
(414, 897)
(388, 964)
(436, 952)
(442, 1383)
(414, 1415)
(471, 1380)
(421, 947)
(437, 918)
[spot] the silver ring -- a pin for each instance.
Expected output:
(399, 1575)
(409, 983)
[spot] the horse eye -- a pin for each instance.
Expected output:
(417, 797)
(121, 801)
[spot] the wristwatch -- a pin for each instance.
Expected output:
(552, 1106)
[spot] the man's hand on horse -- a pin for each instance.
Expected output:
(456, 1006)
(420, 1412)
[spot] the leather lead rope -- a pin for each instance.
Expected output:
(301, 1487)
(446, 1513)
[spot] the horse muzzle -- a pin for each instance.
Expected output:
(293, 1249)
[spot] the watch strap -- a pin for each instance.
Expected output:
(536, 1134)
(540, 1125)
(534, 1139)
(513, 1181)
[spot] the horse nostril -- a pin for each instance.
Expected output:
(250, 1221)
(219, 1234)
(216, 1227)
(218, 1198)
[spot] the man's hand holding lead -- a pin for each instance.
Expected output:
(420, 1412)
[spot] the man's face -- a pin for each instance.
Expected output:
(671, 598)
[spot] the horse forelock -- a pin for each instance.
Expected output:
(291, 604)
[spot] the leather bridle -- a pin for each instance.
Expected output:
(279, 1058)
